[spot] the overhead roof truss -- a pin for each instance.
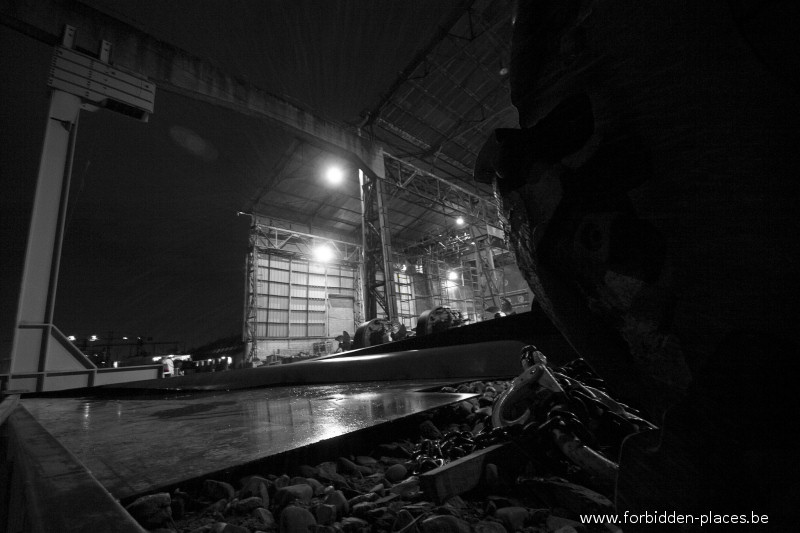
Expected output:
(282, 236)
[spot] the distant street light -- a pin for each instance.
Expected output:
(460, 221)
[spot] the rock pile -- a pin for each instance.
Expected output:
(398, 487)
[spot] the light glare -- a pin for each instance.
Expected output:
(323, 253)
(334, 175)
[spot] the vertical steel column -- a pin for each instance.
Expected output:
(489, 268)
(386, 246)
(251, 298)
(367, 259)
(377, 250)
(358, 282)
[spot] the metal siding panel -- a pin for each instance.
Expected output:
(278, 302)
(299, 278)
(277, 330)
(299, 316)
(299, 291)
(316, 292)
(297, 304)
(279, 275)
(278, 315)
(278, 289)
(279, 262)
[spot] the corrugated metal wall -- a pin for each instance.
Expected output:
(292, 301)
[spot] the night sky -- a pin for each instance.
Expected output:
(153, 245)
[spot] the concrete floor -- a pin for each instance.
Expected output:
(136, 445)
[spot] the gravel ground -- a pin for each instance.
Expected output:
(524, 484)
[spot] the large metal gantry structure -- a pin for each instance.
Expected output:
(41, 361)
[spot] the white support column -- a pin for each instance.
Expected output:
(42, 358)
(38, 346)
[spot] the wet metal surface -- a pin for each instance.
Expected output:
(135, 445)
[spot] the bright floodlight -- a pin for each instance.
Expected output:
(334, 175)
(460, 221)
(452, 275)
(323, 253)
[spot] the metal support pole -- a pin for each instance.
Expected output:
(377, 250)
(390, 291)
(367, 263)
(32, 349)
(251, 297)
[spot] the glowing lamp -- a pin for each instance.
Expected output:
(334, 175)
(323, 253)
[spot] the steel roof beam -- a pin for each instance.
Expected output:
(180, 72)
(419, 143)
(355, 224)
(419, 58)
(416, 173)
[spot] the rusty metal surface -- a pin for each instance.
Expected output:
(136, 445)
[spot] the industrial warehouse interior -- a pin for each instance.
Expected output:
(348, 266)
